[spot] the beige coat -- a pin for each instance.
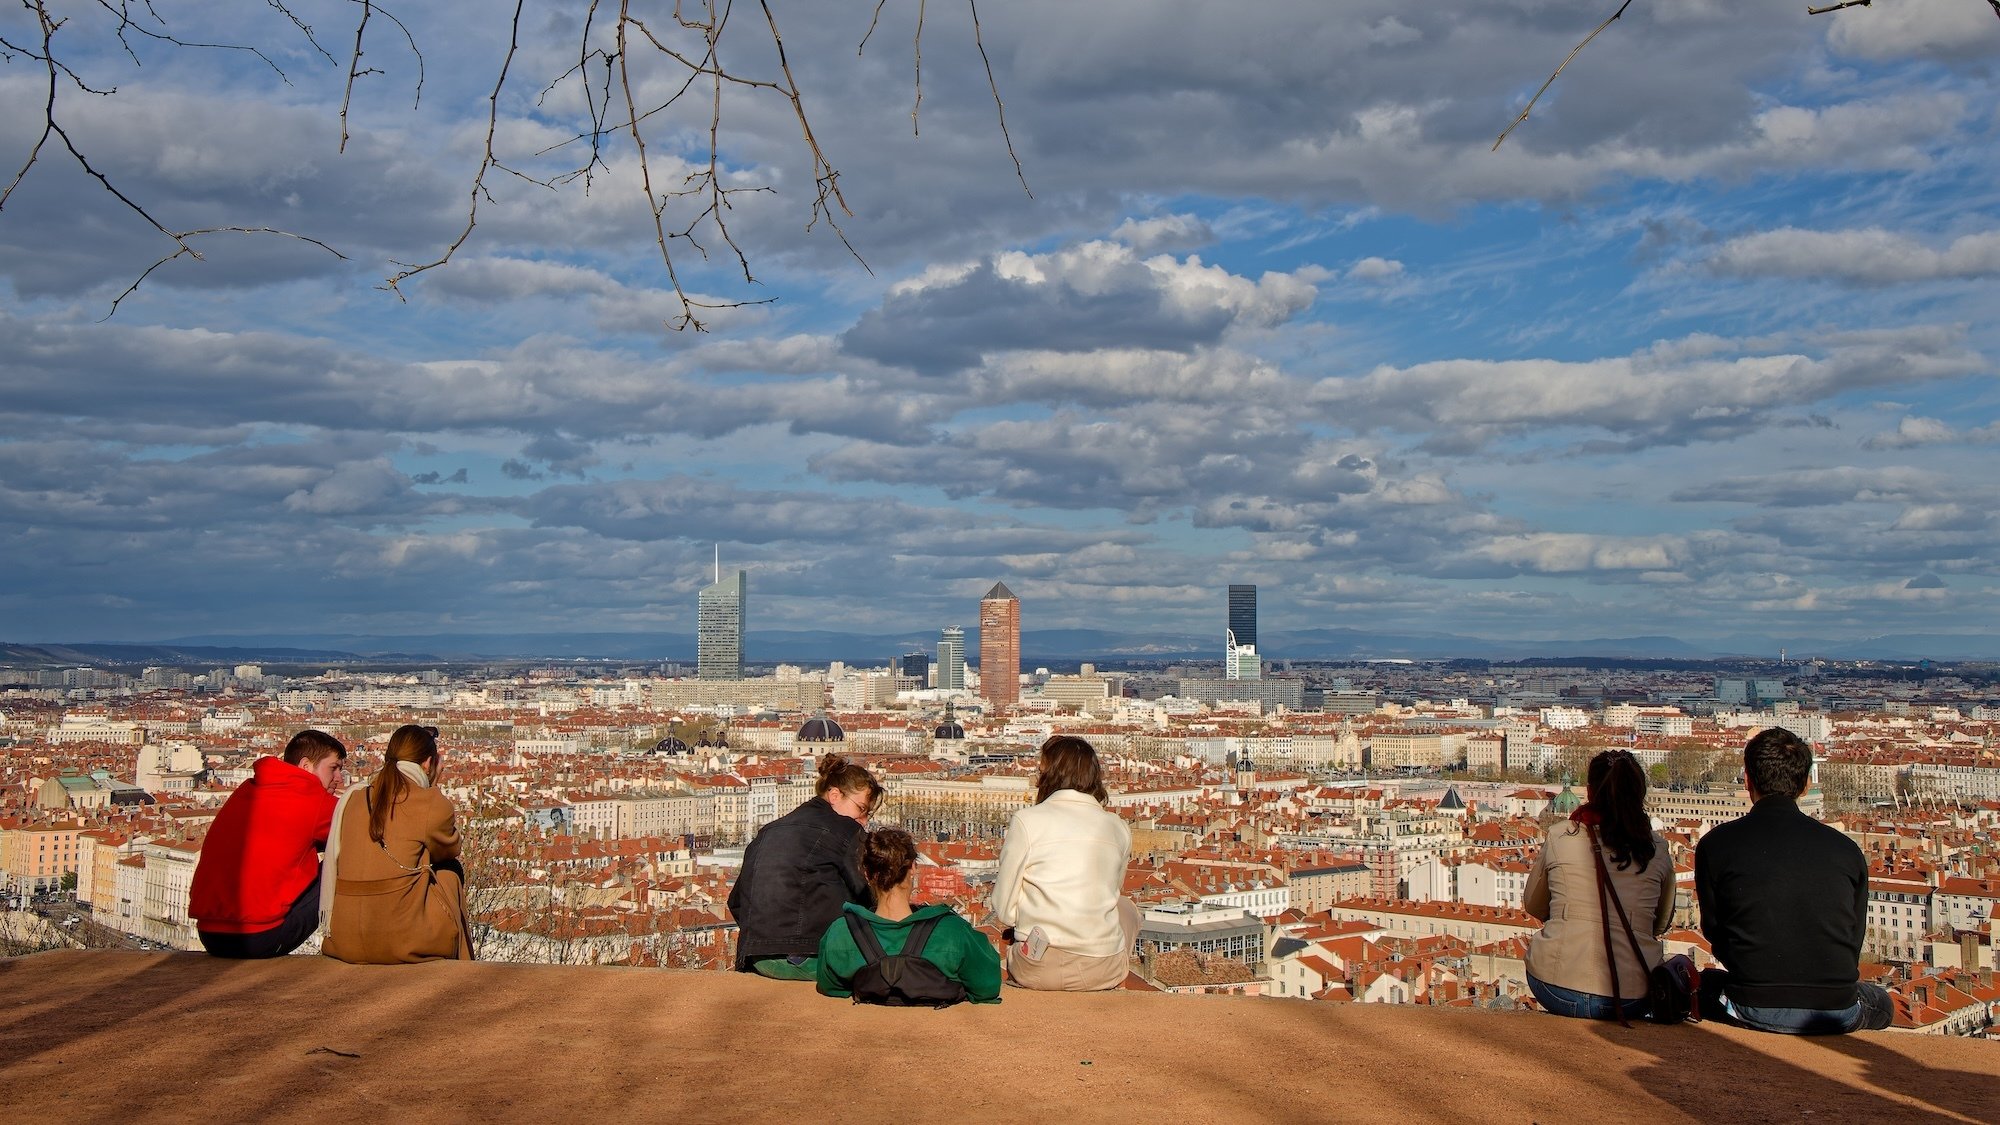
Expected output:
(1062, 868)
(390, 905)
(1568, 952)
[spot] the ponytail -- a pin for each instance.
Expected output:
(409, 743)
(1617, 788)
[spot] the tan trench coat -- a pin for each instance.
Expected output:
(1562, 891)
(390, 904)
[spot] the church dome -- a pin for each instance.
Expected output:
(670, 745)
(821, 729)
(949, 730)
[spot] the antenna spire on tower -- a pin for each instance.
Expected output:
(718, 562)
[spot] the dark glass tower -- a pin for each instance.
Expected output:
(1243, 616)
(1239, 642)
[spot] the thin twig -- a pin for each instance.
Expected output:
(1552, 77)
(826, 179)
(918, 81)
(304, 28)
(1812, 11)
(394, 283)
(878, 15)
(414, 50)
(125, 24)
(687, 317)
(980, 42)
(186, 250)
(354, 70)
(48, 58)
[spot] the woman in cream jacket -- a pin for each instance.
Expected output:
(1062, 868)
(1566, 967)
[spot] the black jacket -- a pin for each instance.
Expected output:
(797, 874)
(1784, 905)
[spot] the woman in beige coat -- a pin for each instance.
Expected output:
(1566, 964)
(396, 892)
(1062, 868)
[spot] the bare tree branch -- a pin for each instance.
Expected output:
(304, 29)
(354, 70)
(918, 79)
(1578, 49)
(872, 18)
(1812, 11)
(980, 42)
(125, 24)
(189, 251)
(698, 210)
(478, 190)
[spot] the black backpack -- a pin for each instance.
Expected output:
(900, 980)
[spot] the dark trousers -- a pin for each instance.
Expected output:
(300, 922)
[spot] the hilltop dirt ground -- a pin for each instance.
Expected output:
(113, 1036)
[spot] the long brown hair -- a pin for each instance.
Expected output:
(1617, 788)
(409, 743)
(1068, 762)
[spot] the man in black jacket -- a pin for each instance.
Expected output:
(1784, 905)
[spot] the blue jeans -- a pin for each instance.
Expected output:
(1581, 1005)
(1872, 1010)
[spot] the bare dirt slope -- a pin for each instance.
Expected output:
(107, 1036)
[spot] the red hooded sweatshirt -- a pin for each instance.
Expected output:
(262, 852)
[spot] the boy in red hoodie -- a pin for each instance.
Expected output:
(256, 885)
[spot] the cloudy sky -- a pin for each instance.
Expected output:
(1706, 347)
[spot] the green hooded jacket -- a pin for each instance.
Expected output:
(961, 951)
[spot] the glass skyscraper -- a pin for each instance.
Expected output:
(1239, 643)
(719, 621)
(951, 659)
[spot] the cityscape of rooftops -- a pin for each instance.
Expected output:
(1346, 478)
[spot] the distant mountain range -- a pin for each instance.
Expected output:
(1038, 647)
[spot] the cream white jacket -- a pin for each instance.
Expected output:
(1062, 867)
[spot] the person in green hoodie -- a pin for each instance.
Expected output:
(889, 863)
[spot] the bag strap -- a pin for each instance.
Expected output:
(1606, 890)
(864, 938)
(919, 934)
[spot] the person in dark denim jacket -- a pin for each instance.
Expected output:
(1784, 905)
(800, 871)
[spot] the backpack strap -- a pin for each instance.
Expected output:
(1606, 890)
(919, 934)
(865, 940)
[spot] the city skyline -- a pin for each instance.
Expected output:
(1704, 349)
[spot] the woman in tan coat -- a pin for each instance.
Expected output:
(397, 892)
(1566, 964)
